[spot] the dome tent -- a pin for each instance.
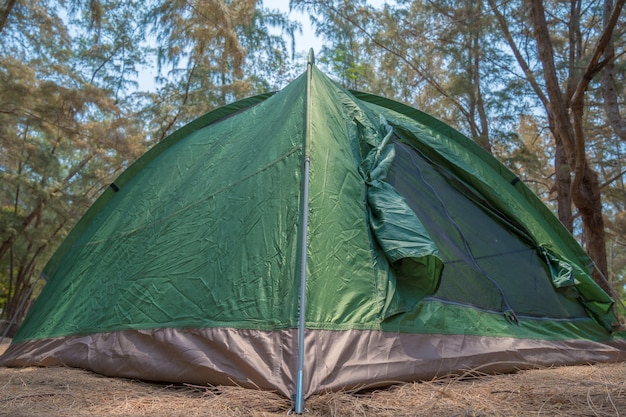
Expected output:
(316, 239)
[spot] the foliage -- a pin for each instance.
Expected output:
(62, 138)
(71, 115)
(210, 53)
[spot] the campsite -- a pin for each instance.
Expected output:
(428, 218)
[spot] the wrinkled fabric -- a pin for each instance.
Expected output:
(416, 267)
(563, 274)
(334, 360)
(253, 359)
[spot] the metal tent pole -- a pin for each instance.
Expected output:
(299, 406)
(299, 396)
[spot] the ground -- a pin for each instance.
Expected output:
(591, 390)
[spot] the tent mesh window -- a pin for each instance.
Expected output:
(486, 265)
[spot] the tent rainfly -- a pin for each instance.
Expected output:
(316, 239)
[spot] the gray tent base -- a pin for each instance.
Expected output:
(265, 359)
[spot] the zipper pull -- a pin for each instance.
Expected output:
(511, 317)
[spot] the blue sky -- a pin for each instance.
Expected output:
(304, 41)
(307, 39)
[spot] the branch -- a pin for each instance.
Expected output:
(4, 16)
(8, 243)
(518, 55)
(403, 58)
(577, 104)
(612, 179)
(104, 62)
(595, 65)
(185, 98)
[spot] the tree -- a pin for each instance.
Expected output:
(214, 52)
(567, 73)
(441, 57)
(63, 137)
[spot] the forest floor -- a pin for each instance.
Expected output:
(591, 390)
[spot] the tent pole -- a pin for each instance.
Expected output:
(300, 378)
(299, 396)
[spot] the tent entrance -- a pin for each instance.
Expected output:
(485, 254)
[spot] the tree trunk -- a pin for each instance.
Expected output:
(563, 183)
(589, 202)
(566, 124)
(6, 11)
(483, 138)
(609, 89)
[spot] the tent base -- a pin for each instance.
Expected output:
(334, 360)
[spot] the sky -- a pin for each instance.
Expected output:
(304, 41)
(307, 39)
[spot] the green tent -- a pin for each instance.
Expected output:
(316, 239)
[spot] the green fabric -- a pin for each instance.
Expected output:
(345, 283)
(178, 245)
(416, 267)
(435, 317)
(144, 160)
(412, 228)
(490, 179)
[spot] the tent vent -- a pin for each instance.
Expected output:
(114, 187)
(515, 181)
